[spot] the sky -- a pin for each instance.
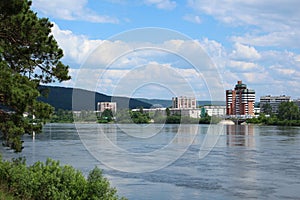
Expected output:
(164, 48)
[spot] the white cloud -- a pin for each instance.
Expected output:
(271, 23)
(282, 71)
(239, 66)
(138, 81)
(162, 4)
(192, 18)
(71, 10)
(297, 58)
(275, 39)
(245, 52)
(276, 14)
(76, 47)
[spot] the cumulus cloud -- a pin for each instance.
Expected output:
(106, 63)
(239, 66)
(162, 4)
(70, 10)
(245, 52)
(192, 18)
(160, 79)
(76, 47)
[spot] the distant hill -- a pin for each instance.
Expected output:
(62, 98)
(215, 103)
(79, 99)
(157, 102)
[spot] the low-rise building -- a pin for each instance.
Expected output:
(214, 110)
(192, 113)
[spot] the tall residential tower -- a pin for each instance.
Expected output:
(240, 101)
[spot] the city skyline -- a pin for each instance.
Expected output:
(256, 42)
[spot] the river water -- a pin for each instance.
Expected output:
(178, 161)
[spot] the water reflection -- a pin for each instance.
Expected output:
(240, 135)
(137, 149)
(248, 162)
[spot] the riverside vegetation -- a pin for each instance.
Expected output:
(51, 181)
(288, 115)
(129, 116)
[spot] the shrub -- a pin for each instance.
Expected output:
(53, 181)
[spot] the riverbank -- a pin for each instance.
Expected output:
(273, 121)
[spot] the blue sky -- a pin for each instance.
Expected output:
(254, 41)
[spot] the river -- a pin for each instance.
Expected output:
(178, 161)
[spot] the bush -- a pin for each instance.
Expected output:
(52, 181)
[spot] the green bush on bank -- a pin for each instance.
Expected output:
(53, 181)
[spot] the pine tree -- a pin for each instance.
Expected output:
(29, 56)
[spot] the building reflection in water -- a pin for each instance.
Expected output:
(186, 134)
(240, 135)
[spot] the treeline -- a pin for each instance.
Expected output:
(288, 115)
(125, 116)
(160, 117)
(52, 181)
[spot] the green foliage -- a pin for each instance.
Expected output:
(98, 186)
(173, 119)
(50, 180)
(29, 55)
(288, 111)
(159, 118)
(106, 116)
(288, 115)
(85, 116)
(139, 117)
(168, 112)
(178, 119)
(123, 116)
(205, 119)
(267, 109)
(62, 116)
(26, 52)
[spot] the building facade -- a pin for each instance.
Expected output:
(184, 102)
(273, 101)
(215, 110)
(101, 106)
(240, 100)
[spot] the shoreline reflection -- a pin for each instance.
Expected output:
(240, 135)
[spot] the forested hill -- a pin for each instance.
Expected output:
(62, 98)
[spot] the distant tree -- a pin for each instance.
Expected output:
(29, 55)
(107, 115)
(141, 110)
(267, 109)
(168, 112)
(288, 111)
(138, 117)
